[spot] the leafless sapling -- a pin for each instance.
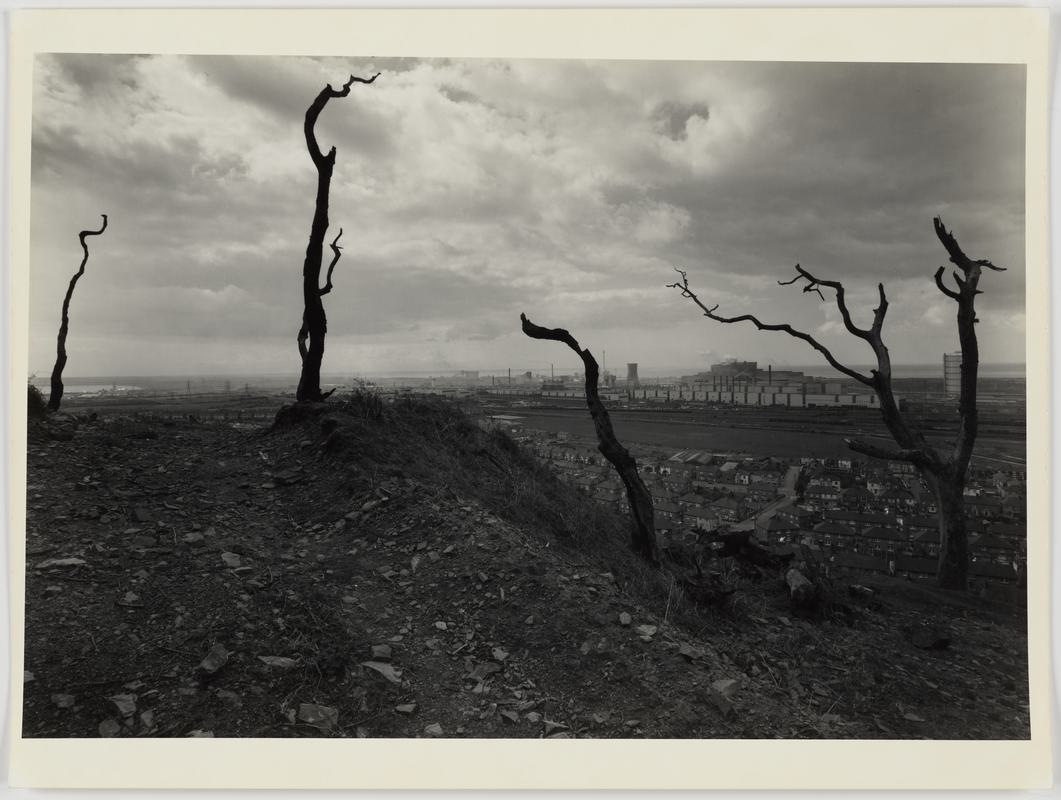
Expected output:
(637, 494)
(945, 469)
(314, 322)
(56, 396)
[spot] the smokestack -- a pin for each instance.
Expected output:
(770, 374)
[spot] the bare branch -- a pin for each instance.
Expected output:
(314, 111)
(683, 287)
(813, 287)
(841, 303)
(337, 251)
(81, 236)
(637, 494)
(814, 284)
(56, 396)
(957, 255)
(552, 334)
(314, 319)
(879, 312)
(953, 295)
(303, 334)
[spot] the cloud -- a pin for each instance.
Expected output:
(673, 118)
(471, 190)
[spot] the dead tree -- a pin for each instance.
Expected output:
(314, 322)
(56, 396)
(303, 332)
(944, 468)
(637, 494)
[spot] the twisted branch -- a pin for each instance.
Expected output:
(56, 395)
(683, 287)
(957, 255)
(337, 251)
(637, 494)
(314, 320)
(314, 111)
(953, 295)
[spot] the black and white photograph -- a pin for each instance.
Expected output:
(375, 397)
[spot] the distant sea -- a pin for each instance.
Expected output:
(96, 384)
(987, 370)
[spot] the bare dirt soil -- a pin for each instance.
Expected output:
(414, 576)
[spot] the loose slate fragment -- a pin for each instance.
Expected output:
(63, 700)
(215, 659)
(484, 670)
(552, 728)
(49, 563)
(690, 652)
(324, 718)
(126, 703)
(381, 652)
(231, 560)
(280, 662)
(386, 670)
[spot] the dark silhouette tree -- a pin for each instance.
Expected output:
(56, 396)
(314, 322)
(303, 333)
(945, 469)
(637, 494)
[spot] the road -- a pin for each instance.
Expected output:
(788, 496)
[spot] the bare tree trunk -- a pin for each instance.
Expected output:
(56, 396)
(637, 494)
(953, 539)
(314, 321)
(945, 471)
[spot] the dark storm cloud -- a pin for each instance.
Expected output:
(917, 140)
(472, 190)
(457, 95)
(93, 74)
(673, 118)
(286, 91)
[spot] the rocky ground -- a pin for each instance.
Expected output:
(412, 576)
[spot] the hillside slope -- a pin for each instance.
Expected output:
(412, 575)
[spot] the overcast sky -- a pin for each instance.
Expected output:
(470, 191)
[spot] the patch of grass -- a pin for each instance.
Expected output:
(36, 406)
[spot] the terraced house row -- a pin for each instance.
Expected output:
(856, 516)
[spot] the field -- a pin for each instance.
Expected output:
(754, 432)
(785, 433)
